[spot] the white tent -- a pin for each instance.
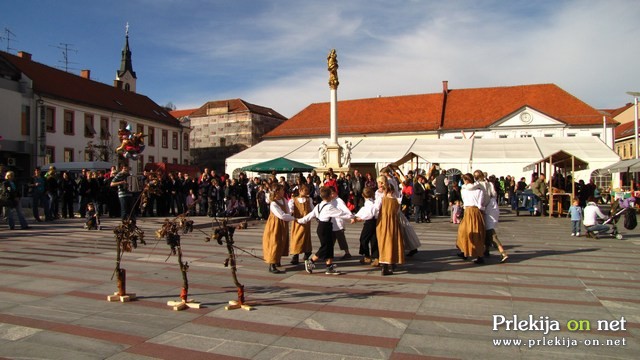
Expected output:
(500, 157)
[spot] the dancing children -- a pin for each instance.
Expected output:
(471, 232)
(275, 239)
(369, 214)
(338, 225)
(299, 206)
(491, 215)
(575, 212)
(324, 212)
(388, 228)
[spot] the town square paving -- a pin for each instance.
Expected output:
(558, 297)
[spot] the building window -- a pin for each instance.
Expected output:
(185, 142)
(165, 139)
(68, 122)
(525, 135)
(50, 119)
(502, 136)
(152, 136)
(223, 141)
(25, 127)
(595, 134)
(152, 159)
(165, 160)
(140, 128)
(68, 155)
(88, 155)
(186, 162)
(140, 164)
(548, 135)
(571, 135)
(89, 130)
(49, 155)
(175, 160)
(174, 140)
(123, 125)
(104, 128)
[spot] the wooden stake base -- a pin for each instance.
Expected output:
(233, 304)
(122, 298)
(181, 305)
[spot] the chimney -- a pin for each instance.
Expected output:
(118, 84)
(85, 74)
(445, 86)
(25, 55)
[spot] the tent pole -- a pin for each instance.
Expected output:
(573, 181)
(551, 187)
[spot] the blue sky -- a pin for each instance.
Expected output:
(273, 53)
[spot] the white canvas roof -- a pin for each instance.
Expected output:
(495, 156)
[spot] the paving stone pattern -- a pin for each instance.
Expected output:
(56, 278)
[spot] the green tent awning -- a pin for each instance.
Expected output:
(279, 165)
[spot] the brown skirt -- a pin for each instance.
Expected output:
(471, 233)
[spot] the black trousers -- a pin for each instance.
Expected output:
(325, 234)
(368, 239)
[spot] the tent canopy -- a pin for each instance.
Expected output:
(624, 166)
(561, 159)
(279, 165)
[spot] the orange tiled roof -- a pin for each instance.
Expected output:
(181, 113)
(66, 86)
(464, 109)
(236, 105)
(625, 130)
(411, 113)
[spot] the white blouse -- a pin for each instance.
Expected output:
(472, 196)
(278, 212)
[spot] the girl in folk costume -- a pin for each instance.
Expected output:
(369, 214)
(324, 212)
(275, 239)
(409, 236)
(299, 206)
(388, 229)
(471, 233)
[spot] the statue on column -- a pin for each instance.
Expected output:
(346, 154)
(322, 154)
(332, 65)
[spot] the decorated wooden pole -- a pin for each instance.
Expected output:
(170, 232)
(225, 232)
(127, 236)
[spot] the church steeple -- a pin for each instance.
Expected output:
(126, 77)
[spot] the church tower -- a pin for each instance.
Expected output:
(126, 77)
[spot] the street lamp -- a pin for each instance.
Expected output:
(635, 117)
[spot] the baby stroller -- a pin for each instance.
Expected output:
(629, 223)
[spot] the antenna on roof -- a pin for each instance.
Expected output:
(65, 55)
(8, 36)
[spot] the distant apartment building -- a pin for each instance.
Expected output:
(222, 128)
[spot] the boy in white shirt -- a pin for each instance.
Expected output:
(369, 214)
(324, 212)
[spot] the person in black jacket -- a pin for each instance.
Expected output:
(418, 200)
(69, 192)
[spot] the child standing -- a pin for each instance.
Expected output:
(369, 214)
(456, 212)
(324, 212)
(575, 212)
(92, 218)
